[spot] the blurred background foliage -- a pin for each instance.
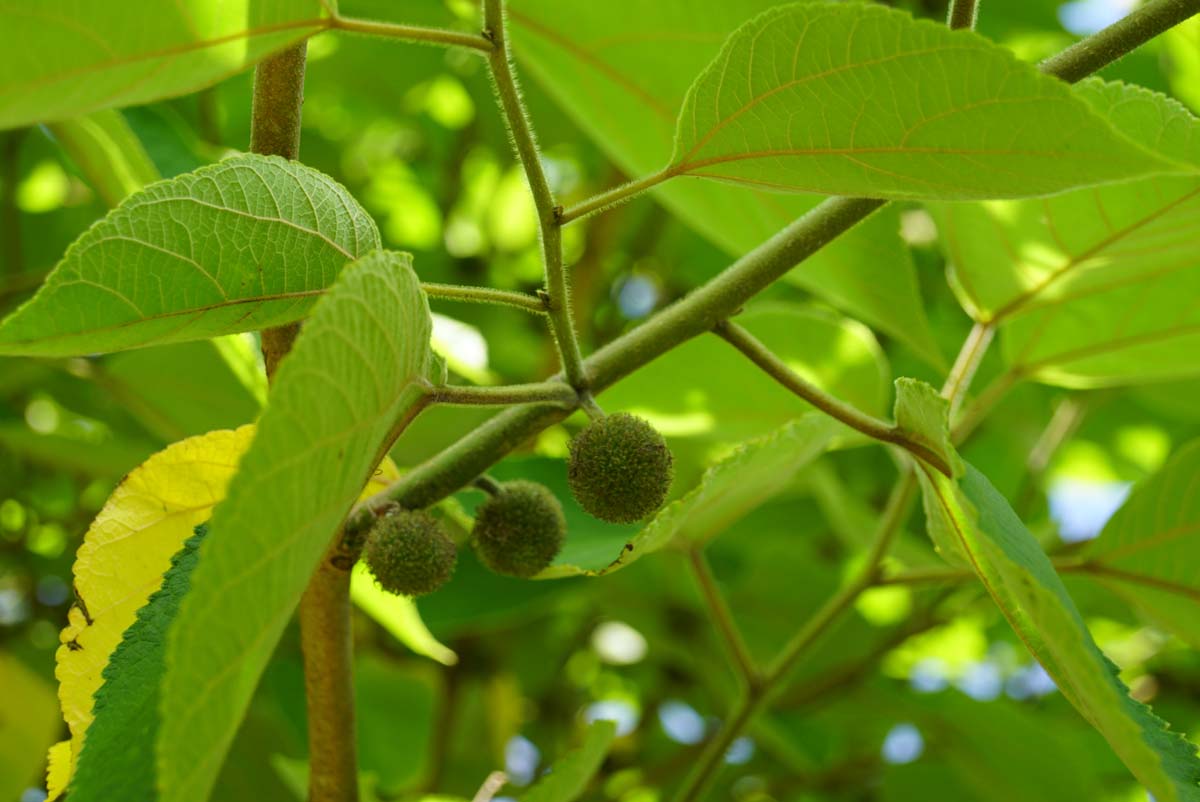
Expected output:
(922, 694)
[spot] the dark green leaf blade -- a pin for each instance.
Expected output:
(570, 776)
(1023, 583)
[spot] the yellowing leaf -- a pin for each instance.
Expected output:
(124, 556)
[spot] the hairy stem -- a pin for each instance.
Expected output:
(695, 314)
(1106, 46)
(325, 605)
(962, 14)
(722, 618)
(486, 295)
(613, 197)
(835, 408)
(551, 392)
(557, 288)
(411, 33)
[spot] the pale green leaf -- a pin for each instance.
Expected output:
(924, 415)
(244, 244)
(71, 57)
(1149, 551)
(863, 100)
(398, 615)
(625, 90)
(339, 399)
(1154, 120)
(108, 153)
(570, 775)
(1022, 582)
(751, 475)
(1089, 288)
(1182, 45)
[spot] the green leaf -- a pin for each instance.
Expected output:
(244, 244)
(113, 764)
(108, 153)
(1149, 550)
(1182, 44)
(625, 91)
(1090, 288)
(29, 725)
(754, 473)
(922, 413)
(1158, 122)
(1023, 584)
(683, 401)
(78, 56)
(398, 615)
(907, 109)
(569, 777)
(339, 399)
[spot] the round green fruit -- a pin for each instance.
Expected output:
(620, 468)
(410, 553)
(519, 529)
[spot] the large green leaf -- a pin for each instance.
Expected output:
(1090, 288)
(1149, 551)
(1023, 583)
(241, 245)
(338, 401)
(625, 90)
(70, 57)
(907, 109)
(569, 777)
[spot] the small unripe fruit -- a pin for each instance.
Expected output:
(519, 529)
(620, 468)
(410, 553)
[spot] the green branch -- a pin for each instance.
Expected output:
(697, 313)
(613, 197)
(411, 33)
(722, 618)
(551, 392)
(1119, 39)
(559, 302)
(835, 408)
(486, 295)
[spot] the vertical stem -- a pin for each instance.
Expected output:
(561, 318)
(11, 262)
(965, 365)
(275, 131)
(962, 14)
(325, 634)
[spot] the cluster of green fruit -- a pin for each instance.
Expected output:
(619, 469)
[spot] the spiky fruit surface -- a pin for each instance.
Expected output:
(620, 468)
(519, 530)
(410, 553)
